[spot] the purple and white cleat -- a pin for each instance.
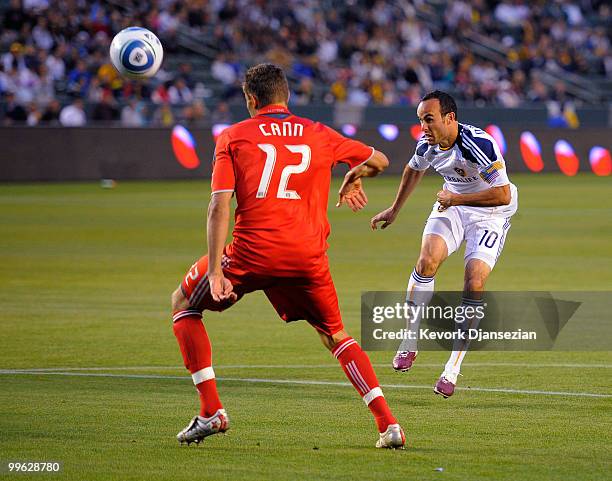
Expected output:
(403, 360)
(444, 387)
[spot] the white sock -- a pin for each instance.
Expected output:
(419, 293)
(460, 347)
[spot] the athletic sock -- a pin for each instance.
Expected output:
(197, 355)
(419, 293)
(358, 368)
(460, 347)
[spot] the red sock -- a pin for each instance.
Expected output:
(197, 355)
(358, 368)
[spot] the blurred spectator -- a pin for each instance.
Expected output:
(358, 95)
(55, 63)
(14, 58)
(52, 113)
(223, 71)
(14, 16)
(96, 91)
(34, 114)
(106, 110)
(303, 94)
(185, 71)
(512, 13)
(45, 88)
(179, 93)
(161, 95)
(222, 114)
(108, 75)
(561, 109)
(36, 6)
(41, 35)
(14, 113)
(194, 114)
(79, 78)
(163, 116)
(133, 114)
(73, 115)
(538, 92)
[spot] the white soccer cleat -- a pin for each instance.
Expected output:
(201, 427)
(392, 438)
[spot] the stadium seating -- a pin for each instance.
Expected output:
(388, 53)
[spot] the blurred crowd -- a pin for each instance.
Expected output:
(54, 65)
(391, 52)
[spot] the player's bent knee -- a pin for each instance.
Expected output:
(474, 284)
(331, 341)
(427, 266)
(179, 301)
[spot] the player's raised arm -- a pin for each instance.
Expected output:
(412, 175)
(363, 161)
(351, 191)
(410, 178)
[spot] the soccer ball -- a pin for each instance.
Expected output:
(136, 52)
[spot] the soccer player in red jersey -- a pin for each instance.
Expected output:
(279, 167)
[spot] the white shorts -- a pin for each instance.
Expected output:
(483, 228)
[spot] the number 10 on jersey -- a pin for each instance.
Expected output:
(288, 171)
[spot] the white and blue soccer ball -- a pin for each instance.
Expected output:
(136, 52)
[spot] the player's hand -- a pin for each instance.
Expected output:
(387, 216)
(221, 289)
(445, 199)
(352, 194)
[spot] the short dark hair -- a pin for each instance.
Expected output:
(447, 103)
(268, 83)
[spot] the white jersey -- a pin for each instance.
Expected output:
(474, 162)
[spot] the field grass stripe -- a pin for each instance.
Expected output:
(311, 366)
(303, 382)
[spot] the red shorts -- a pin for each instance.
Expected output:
(311, 297)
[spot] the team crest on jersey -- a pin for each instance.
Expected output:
(461, 172)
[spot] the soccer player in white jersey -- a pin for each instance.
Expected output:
(474, 205)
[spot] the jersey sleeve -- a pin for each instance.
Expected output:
(418, 161)
(484, 152)
(348, 151)
(223, 177)
(494, 174)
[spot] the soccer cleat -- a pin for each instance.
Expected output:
(444, 387)
(392, 438)
(201, 427)
(403, 360)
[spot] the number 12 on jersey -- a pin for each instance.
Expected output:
(288, 171)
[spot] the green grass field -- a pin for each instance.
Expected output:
(86, 275)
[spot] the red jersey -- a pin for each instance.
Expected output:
(279, 166)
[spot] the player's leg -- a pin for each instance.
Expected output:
(358, 369)
(441, 237)
(316, 301)
(476, 274)
(485, 241)
(188, 302)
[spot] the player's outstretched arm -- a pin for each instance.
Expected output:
(221, 288)
(410, 178)
(351, 191)
(492, 197)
